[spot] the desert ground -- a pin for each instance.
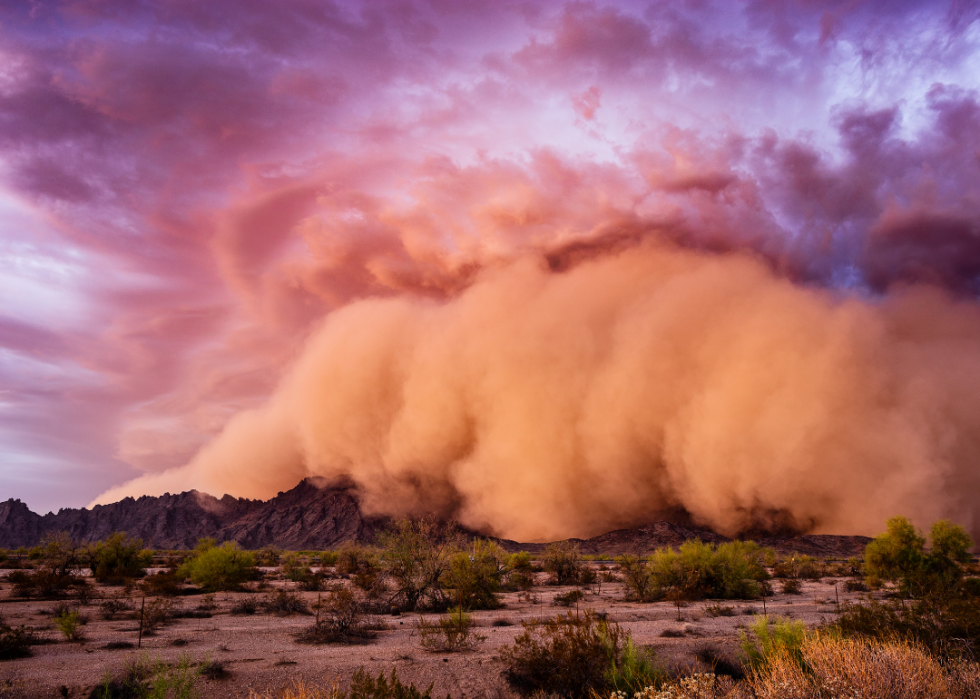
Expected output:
(260, 652)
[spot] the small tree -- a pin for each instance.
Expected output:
(475, 575)
(564, 561)
(118, 558)
(217, 568)
(900, 555)
(415, 556)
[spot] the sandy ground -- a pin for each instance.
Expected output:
(260, 652)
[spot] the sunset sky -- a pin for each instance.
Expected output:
(189, 189)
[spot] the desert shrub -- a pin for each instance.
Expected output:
(634, 670)
(43, 583)
(451, 634)
(268, 556)
(158, 612)
(900, 555)
(565, 656)
(339, 619)
(118, 558)
(792, 586)
(108, 609)
(475, 576)
(771, 638)
(329, 558)
(569, 598)
(16, 642)
(416, 555)
(949, 626)
(293, 568)
(246, 605)
(150, 679)
(217, 568)
(521, 571)
(564, 561)
(59, 554)
(314, 582)
(361, 565)
(698, 570)
(636, 577)
(69, 623)
(363, 686)
(797, 566)
(285, 602)
(855, 586)
(167, 584)
(716, 610)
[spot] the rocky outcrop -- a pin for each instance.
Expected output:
(314, 515)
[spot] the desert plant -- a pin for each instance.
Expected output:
(246, 605)
(568, 599)
(339, 619)
(293, 568)
(217, 568)
(158, 612)
(637, 579)
(329, 558)
(150, 680)
(520, 574)
(268, 556)
(117, 559)
(566, 656)
(792, 586)
(16, 642)
(698, 570)
(453, 633)
(109, 608)
(716, 610)
(284, 602)
(900, 555)
(564, 561)
(772, 637)
(69, 623)
(43, 583)
(416, 555)
(797, 566)
(168, 584)
(634, 670)
(475, 576)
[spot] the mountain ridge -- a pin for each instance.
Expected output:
(319, 514)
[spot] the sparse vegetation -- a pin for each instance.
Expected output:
(415, 556)
(69, 623)
(217, 568)
(150, 680)
(451, 634)
(566, 656)
(475, 576)
(118, 559)
(563, 561)
(338, 620)
(284, 602)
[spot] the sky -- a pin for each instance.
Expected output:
(194, 195)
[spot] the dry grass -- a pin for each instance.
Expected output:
(302, 691)
(833, 667)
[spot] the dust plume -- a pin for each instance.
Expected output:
(548, 401)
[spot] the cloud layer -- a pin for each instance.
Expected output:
(196, 197)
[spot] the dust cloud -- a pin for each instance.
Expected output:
(542, 404)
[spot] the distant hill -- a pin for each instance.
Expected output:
(319, 515)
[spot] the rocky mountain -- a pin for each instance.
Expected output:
(319, 515)
(314, 515)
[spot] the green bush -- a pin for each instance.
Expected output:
(363, 686)
(217, 568)
(698, 570)
(69, 623)
(151, 680)
(293, 568)
(564, 561)
(635, 670)
(453, 633)
(329, 558)
(637, 579)
(118, 559)
(773, 637)
(900, 555)
(521, 571)
(566, 656)
(797, 566)
(474, 576)
(268, 556)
